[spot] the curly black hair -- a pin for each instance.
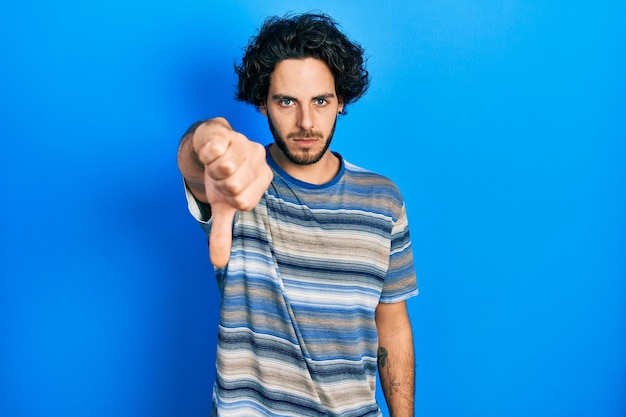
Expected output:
(307, 35)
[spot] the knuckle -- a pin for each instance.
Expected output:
(216, 146)
(204, 154)
(210, 141)
(259, 150)
(211, 151)
(233, 188)
(219, 122)
(226, 168)
(244, 203)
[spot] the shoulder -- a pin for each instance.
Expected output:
(375, 182)
(374, 190)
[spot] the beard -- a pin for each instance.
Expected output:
(306, 157)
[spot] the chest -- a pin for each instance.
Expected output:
(328, 254)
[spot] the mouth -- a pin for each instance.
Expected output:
(305, 141)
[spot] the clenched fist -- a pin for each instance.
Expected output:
(235, 177)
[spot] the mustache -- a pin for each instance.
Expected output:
(303, 134)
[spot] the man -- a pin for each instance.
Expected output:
(312, 254)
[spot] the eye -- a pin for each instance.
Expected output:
(286, 102)
(321, 101)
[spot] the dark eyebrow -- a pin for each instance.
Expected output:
(324, 96)
(279, 97)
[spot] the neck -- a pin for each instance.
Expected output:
(318, 173)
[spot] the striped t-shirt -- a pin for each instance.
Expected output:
(308, 267)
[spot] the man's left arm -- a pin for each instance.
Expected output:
(396, 364)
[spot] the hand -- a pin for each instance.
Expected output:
(236, 176)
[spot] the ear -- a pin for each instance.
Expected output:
(340, 109)
(263, 108)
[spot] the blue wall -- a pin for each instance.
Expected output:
(503, 122)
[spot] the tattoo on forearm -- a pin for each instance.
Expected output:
(383, 358)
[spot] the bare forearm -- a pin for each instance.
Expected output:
(189, 164)
(396, 367)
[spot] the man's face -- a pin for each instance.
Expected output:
(302, 109)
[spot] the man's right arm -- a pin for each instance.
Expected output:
(226, 170)
(220, 164)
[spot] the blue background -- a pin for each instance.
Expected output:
(503, 123)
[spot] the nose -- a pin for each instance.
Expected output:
(305, 118)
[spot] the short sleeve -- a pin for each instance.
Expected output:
(400, 282)
(198, 210)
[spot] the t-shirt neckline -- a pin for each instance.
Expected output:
(274, 165)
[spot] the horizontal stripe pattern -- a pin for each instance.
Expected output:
(309, 265)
